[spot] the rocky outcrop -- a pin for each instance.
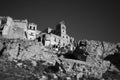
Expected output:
(28, 50)
(90, 59)
(96, 53)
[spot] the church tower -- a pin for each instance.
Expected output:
(61, 29)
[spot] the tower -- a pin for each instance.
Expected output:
(61, 29)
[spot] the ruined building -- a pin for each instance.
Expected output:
(32, 31)
(57, 37)
(17, 29)
(26, 51)
(21, 29)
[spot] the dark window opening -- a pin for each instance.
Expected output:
(63, 27)
(55, 46)
(1, 27)
(43, 39)
(39, 39)
(67, 37)
(33, 28)
(30, 27)
(26, 34)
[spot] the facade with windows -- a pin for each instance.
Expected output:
(31, 31)
(57, 36)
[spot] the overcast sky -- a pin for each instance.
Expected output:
(92, 20)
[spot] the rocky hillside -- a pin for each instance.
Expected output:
(30, 60)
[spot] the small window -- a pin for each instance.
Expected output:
(63, 27)
(43, 36)
(67, 37)
(34, 28)
(30, 27)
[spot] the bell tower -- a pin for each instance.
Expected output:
(61, 29)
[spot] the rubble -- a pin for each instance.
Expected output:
(92, 66)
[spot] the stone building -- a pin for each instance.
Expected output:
(57, 36)
(13, 29)
(21, 29)
(17, 29)
(32, 31)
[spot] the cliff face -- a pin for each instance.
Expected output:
(30, 60)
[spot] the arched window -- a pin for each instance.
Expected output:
(34, 28)
(30, 27)
(63, 27)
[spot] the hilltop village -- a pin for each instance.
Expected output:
(27, 53)
(21, 29)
